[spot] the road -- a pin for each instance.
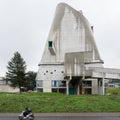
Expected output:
(65, 116)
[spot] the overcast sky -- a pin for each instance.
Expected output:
(25, 25)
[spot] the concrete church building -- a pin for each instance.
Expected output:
(71, 62)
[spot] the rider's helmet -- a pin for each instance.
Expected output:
(28, 109)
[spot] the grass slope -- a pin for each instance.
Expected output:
(54, 102)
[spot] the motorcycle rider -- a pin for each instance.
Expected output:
(26, 114)
(27, 111)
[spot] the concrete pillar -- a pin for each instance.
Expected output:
(98, 86)
(67, 83)
(103, 88)
(78, 89)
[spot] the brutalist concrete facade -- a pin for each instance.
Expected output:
(71, 62)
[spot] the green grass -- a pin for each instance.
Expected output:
(54, 102)
(113, 91)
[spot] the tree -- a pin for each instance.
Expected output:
(16, 71)
(30, 80)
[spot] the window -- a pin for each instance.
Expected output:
(59, 83)
(62, 83)
(40, 89)
(87, 83)
(39, 83)
(54, 83)
(3, 82)
(50, 43)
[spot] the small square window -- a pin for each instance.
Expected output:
(50, 43)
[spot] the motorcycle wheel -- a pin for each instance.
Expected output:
(20, 118)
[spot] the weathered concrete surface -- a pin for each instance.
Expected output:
(71, 55)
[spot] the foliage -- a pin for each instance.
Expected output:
(56, 102)
(113, 91)
(16, 71)
(30, 80)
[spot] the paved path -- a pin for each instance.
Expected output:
(65, 116)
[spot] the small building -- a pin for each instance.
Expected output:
(71, 62)
(5, 87)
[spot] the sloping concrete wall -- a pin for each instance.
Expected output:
(70, 32)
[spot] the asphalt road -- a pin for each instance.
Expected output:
(65, 116)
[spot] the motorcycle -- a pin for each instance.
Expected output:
(30, 116)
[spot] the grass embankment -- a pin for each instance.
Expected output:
(54, 102)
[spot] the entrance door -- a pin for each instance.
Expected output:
(71, 91)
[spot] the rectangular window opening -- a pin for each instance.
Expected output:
(50, 43)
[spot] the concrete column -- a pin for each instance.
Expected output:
(103, 88)
(98, 87)
(67, 83)
(78, 89)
